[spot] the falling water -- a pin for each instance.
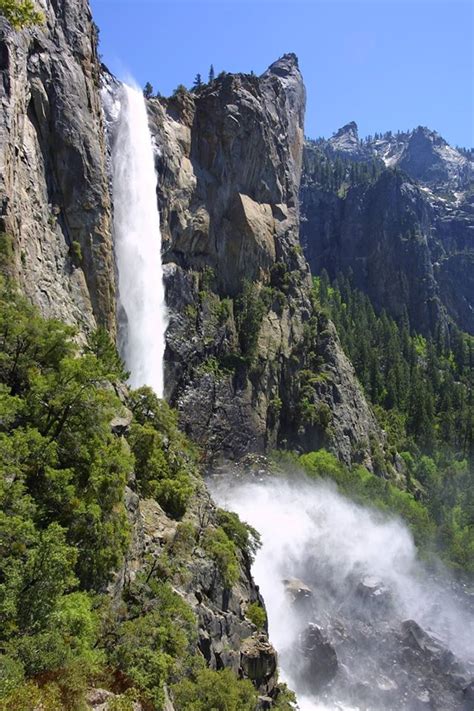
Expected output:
(364, 581)
(142, 312)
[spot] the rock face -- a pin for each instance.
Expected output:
(404, 229)
(318, 659)
(242, 325)
(54, 189)
(226, 637)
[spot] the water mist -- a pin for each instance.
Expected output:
(137, 237)
(345, 583)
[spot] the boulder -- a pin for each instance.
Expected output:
(258, 661)
(319, 664)
(374, 593)
(298, 592)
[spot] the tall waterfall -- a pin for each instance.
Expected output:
(142, 312)
(358, 622)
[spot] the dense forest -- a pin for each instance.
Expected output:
(422, 393)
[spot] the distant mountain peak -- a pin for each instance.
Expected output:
(348, 128)
(346, 143)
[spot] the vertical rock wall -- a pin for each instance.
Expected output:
(54, 189)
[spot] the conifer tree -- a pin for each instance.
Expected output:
(148, 90)
(197, 82)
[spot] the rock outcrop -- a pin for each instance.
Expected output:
(242, 324)
(54, 187)
(226, 637)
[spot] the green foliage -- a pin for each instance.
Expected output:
(207, 279)
(215, 691)
(6, 253)
(223, 550)
(102, 347)
(63, 529)
(154, 647)
(164, 462)
(250, 309)
(223, 310)
(180, 90)
(21, 13)
(338, 174)
(245, 537)
(197, 84)
(256, 615)
(76, 253)
(285, 699)
(148, 90)
(422, 391)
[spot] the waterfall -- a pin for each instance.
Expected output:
(137, 237)
(358, 622)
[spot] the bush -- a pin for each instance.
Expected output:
(153, 649)
(76, 253)
(256, 615)
(249, 312)
(165, 460)
(20, 13)
(216, 690)
(244, 536)
(224, 552)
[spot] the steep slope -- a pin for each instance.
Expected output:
(397, 212)
(249, 363)
(54, 186)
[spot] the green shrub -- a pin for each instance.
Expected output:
(76, 253)
(216, 691)
(249, 313)
(224, 552)
(154, 648)
(21, 13)
(244, 536)
(164, 459)
(6, 252)
(256, 615)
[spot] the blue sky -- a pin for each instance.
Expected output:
(387, 64)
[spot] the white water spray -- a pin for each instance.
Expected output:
(313, 534)
(142, 310)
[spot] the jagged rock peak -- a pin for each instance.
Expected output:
(346, 143)
(285, 65)
(349, 129)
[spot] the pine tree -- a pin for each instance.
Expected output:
(212, 74)
(197, 82)
(148, 90)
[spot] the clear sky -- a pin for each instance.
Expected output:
(386, 64)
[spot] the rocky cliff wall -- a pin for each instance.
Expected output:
(403, 227)
(249, 362)
(54, 187)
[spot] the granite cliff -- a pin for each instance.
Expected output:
(250, 363)
(54, 184)
(398, 217)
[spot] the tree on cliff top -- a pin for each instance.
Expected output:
(21, 13)
(148, 90)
